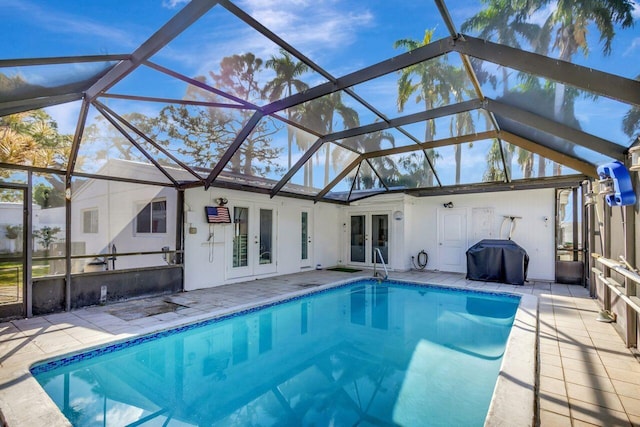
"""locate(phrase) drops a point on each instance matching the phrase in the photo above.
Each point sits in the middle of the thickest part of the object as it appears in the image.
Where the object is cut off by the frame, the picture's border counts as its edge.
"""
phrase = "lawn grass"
(10, 271)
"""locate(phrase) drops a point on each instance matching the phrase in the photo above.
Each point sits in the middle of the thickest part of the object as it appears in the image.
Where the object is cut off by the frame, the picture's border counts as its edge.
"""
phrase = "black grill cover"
(493, 260)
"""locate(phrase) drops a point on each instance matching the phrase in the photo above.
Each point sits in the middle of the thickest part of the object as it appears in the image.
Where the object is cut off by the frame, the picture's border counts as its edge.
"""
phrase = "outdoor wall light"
(221, 201)
(448, 205)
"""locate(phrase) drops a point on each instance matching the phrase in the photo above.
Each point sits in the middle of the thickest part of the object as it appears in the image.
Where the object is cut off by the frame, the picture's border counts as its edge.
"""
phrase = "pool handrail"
(377, 251)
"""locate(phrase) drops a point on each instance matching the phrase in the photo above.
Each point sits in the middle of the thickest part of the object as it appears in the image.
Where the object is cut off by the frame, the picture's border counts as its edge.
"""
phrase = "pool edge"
(501, 411)
(513, 401)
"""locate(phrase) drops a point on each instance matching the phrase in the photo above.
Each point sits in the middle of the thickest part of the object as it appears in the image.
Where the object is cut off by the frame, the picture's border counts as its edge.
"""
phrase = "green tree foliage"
(377, 169)
(32, 139)
(101, 140)
(631, 122)
(431, 83)
(417, 170)
(495, 170)
(287, 78)
(327, 110)
(11, 196)
(46, 236)
(195, 128)
(47, 196)
(563, 32)
(12, 231)
(215, 129)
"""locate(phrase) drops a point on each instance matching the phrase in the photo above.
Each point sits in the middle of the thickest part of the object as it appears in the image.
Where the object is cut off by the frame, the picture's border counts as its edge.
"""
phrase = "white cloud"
(636, 9)
(310, 25)
(633, 46)
(540, 16)
(174, 4)
(58, 22)
(121, 414)
(66, 116)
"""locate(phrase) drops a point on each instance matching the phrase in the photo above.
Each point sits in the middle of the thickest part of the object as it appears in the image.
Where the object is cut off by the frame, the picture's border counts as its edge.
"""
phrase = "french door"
(253, 243)
(306, 248)
(368, 232)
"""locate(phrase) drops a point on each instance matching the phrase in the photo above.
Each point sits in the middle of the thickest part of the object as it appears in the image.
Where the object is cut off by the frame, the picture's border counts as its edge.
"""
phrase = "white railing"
(619, 288)
(377, 253)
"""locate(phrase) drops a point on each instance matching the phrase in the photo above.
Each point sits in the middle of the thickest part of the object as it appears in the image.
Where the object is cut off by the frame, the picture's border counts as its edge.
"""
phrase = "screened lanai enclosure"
(159, 146)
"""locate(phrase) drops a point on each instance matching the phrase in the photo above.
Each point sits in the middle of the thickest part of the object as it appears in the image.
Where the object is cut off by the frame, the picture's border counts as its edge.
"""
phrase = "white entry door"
(253, 240)
(306, 229)
(452, 240)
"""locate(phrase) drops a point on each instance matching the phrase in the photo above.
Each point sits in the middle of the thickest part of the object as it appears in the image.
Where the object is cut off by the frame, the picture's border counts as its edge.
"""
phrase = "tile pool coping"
(513, 400)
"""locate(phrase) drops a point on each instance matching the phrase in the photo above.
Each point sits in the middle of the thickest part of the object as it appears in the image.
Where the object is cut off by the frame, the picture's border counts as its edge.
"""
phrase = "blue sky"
(341, 36)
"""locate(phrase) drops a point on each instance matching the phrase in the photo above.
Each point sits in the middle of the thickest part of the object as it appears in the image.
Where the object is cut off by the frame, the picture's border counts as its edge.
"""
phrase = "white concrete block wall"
(416, 231)
(208, 265)
(117, 205)
(532, 232)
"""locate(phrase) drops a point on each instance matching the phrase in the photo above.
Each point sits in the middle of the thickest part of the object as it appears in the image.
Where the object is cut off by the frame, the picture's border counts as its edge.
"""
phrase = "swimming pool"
(368, 352)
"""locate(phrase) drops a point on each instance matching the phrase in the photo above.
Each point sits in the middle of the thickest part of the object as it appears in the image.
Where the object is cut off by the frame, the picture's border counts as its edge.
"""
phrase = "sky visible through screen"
(340, 36)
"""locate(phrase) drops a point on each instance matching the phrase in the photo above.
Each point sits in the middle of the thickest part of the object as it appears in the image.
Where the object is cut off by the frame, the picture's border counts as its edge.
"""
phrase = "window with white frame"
(152, 217)
(90, 221)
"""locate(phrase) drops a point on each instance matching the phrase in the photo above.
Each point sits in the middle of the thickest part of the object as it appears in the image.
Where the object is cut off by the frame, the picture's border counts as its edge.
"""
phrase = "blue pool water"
(365, 353)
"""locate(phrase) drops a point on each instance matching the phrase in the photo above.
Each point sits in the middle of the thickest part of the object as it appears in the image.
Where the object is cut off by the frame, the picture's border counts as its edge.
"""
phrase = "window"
(152, 218)
(90, 221)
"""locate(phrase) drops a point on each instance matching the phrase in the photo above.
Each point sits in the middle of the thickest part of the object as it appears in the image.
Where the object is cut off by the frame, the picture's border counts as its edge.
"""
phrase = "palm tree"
(631, 121)
(32, 138)
(494, 171)
(503, 23)
(525, 160)
(308, 115)
(286, 79)
(385, 166)
(570, 21)
(432, 87)
(461, 123)
(320, 115)
(418, 172)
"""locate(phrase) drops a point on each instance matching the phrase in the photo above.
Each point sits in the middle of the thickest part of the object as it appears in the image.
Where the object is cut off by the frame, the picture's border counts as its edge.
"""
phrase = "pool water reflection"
(367, 353)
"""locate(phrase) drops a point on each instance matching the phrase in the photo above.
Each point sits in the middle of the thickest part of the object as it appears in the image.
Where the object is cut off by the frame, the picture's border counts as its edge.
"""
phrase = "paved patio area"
(587, 375)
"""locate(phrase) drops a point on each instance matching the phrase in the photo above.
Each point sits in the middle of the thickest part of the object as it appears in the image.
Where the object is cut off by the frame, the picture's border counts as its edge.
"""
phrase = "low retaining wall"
(86, 288)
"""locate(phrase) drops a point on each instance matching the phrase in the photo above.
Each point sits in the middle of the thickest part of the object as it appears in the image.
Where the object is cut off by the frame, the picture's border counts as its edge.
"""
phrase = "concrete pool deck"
(586, 375)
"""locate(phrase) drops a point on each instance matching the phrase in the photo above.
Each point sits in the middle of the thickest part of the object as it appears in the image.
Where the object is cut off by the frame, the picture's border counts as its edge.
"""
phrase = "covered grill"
(497, 260)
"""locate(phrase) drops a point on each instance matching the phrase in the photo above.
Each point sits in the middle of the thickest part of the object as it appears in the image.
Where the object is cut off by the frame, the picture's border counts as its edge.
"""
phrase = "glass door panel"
(358, 238)
(305, 239)
(380, 234)
(266, 236)
(254, 241)
(240, 237)
(364, 250)
(304, 235)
